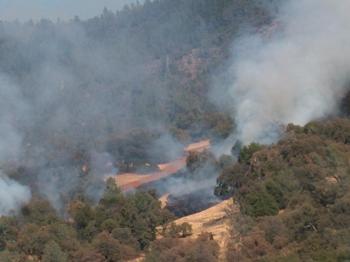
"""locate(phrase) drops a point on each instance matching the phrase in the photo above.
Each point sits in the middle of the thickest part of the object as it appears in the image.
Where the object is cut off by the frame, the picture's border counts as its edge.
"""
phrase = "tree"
(248, 151)
(39, 211)
(8, 231)
(177, 231)
(53, 253)
(32, 239)
(259, 203)
(112, 195)
(112, 249)
(82, 214)
(125, 236)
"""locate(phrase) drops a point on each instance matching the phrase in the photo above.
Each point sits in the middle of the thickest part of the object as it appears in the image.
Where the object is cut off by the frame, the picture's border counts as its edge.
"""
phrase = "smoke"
(12, 109)
(102, 167)
(293, 71)
(202, 180)
(166, 148)
(190, 191)
(192, 188)
(12, 195)
(57, 184)
(70, 91)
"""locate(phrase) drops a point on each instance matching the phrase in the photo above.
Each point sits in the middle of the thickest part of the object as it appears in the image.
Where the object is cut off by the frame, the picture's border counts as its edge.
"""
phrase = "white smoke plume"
(12, 195)
(293, 72)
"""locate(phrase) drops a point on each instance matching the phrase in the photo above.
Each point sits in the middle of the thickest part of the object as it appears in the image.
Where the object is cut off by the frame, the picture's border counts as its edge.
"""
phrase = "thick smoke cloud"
(71, 94)
(293, 71)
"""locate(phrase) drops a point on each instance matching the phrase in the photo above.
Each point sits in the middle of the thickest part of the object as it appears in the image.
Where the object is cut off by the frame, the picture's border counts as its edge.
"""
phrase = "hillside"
(293, 195)
(88, 98)
(215, 221)
(130, 181)
(177, 131)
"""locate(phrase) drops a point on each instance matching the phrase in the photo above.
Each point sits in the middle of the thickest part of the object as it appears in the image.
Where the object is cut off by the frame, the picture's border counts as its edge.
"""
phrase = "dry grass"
(214, 220)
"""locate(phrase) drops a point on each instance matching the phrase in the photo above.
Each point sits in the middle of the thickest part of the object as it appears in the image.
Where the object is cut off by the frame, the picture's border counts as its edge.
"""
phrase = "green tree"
(260, 203)
(248, 151)
(39, 211)
(32, 239)
(53, 253)
(112, 249)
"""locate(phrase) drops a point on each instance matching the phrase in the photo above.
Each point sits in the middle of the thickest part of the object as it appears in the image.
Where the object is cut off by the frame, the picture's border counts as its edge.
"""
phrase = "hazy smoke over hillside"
(64, 93)
(12, 108)
(294, 71)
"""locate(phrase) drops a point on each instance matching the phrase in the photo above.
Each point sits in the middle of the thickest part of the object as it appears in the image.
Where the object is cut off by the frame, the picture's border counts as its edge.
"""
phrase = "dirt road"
(129, 181)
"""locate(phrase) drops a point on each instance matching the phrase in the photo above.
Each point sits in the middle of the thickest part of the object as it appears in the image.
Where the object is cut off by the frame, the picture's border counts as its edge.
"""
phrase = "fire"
(85, 169)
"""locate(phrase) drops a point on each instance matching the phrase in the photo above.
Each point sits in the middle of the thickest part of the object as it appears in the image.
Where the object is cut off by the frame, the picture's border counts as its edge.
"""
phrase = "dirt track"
(129, 181)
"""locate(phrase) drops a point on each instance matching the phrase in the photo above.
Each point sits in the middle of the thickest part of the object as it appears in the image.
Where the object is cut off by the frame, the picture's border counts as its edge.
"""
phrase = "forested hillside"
(117, 229)
(128, 90)
(293, 196)
(146, 69)
(122, 88)
(86, 98)
(149, 61)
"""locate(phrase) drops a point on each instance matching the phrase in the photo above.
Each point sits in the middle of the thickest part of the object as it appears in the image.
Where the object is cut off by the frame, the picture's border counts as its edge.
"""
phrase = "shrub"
(202, 249)
(177, 231)
(259, 203)
(112, 249)
(53, 253)
(248, 151)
